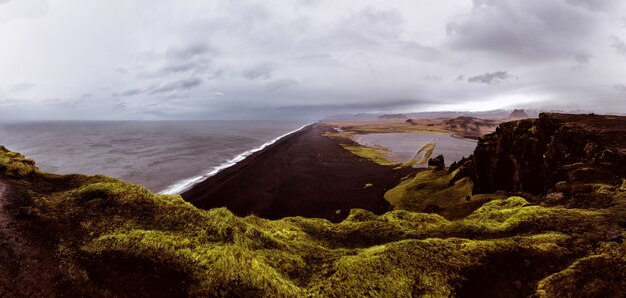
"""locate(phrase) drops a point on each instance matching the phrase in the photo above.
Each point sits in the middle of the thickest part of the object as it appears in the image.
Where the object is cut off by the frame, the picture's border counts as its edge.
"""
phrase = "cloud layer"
(274, 59)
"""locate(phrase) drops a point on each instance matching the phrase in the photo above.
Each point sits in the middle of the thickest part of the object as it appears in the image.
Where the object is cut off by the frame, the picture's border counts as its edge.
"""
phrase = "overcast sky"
(156, 59)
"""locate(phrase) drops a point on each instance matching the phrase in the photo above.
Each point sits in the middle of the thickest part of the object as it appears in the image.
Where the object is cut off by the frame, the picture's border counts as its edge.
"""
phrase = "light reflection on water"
(402, 146)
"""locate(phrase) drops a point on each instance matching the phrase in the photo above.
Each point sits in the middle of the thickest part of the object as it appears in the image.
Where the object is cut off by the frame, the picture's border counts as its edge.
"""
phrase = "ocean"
(163, 156)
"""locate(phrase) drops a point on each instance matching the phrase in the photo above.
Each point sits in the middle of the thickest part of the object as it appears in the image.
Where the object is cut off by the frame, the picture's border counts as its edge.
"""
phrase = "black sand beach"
(304, 174)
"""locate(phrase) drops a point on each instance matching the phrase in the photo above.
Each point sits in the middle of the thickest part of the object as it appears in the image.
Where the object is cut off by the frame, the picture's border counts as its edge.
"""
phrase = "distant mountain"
(393, 116)
(493, 115)
(357, 116)
(518, 114)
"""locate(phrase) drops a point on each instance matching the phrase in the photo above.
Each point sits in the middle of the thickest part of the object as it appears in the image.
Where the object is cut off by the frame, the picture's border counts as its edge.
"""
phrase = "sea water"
(163, 156)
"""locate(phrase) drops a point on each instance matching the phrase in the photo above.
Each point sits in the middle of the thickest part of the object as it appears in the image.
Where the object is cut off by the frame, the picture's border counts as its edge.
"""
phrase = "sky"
(280, 59)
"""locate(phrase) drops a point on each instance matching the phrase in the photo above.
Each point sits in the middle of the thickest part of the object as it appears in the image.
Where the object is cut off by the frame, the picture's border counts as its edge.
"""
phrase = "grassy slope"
(115, 237)
(374, 154)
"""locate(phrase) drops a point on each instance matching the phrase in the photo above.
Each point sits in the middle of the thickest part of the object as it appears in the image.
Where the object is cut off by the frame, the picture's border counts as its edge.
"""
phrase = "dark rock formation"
(437, 163)
(568, 154)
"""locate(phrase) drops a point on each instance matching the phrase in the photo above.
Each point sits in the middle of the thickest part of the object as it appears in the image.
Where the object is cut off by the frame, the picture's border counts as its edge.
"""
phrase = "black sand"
(304, 174)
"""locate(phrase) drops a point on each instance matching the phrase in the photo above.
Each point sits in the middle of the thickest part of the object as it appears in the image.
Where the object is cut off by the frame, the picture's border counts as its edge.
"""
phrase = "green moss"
(15, 165)
(601, 274)
(375, 154)
(429, 188)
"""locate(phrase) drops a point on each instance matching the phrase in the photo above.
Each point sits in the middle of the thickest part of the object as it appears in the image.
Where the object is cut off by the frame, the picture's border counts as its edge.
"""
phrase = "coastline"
(303, 174)
(186, 184)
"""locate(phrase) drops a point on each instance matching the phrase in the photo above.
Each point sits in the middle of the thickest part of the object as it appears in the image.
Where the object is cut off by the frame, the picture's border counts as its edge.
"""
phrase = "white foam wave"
(185, 184)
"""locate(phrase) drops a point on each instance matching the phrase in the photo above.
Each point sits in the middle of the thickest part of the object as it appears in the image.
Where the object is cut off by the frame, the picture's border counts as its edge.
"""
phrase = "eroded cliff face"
(565, 159)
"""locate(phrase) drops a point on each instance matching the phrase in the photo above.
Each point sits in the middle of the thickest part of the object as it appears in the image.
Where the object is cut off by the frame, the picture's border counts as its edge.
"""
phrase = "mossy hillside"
(434, 191)
(13, 164)
(601, 274)
(102, 224)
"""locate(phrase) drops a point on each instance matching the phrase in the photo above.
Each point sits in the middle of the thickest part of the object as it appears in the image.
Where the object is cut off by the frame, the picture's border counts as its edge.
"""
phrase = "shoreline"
(186, 184)
(303, 174)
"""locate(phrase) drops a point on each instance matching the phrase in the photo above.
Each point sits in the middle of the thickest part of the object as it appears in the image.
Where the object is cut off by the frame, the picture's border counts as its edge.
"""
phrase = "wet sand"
(304, 174)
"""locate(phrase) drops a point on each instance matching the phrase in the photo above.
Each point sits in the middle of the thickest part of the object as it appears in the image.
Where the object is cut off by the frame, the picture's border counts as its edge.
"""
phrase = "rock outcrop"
(567, 156)
(437, 163)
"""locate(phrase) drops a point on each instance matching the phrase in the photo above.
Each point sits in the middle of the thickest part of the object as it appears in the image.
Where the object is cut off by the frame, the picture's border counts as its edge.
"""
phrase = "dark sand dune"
(304, 174)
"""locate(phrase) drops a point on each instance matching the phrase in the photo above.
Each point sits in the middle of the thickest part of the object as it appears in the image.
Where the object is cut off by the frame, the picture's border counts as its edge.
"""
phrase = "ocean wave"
(185, 184)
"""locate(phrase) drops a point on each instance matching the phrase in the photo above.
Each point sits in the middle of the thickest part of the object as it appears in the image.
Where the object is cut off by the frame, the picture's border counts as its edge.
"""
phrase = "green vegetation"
(338, 135)
(114, 238)
(13, 164)
(375, 154)
(430, 191)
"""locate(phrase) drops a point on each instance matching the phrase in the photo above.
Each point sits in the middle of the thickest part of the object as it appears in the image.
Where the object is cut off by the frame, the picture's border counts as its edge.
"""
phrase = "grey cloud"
(176, 68)
(376, 24)
(22, 9)
(281, 84)
(619, 45)
(528, 29)
(318, 59)
(259, 72)
(194, 58)
(493, 78)
(121, 70)
(366, 28)
(431, 78)
(184, 84)
(247, 58)
(418, 50)
(581, 58)
(620, 87)
(190, 51)
(21, 87)
(593, 5)
(131, 92)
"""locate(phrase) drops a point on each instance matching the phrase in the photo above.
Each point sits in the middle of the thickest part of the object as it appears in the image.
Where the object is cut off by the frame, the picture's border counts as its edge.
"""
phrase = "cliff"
(562, 158)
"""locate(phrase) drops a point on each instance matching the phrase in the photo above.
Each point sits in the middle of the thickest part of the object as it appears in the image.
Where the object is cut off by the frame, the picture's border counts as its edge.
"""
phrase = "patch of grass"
(338, 135)
(15, 165)
(429, 191)
(374, 154)
(601, 274)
